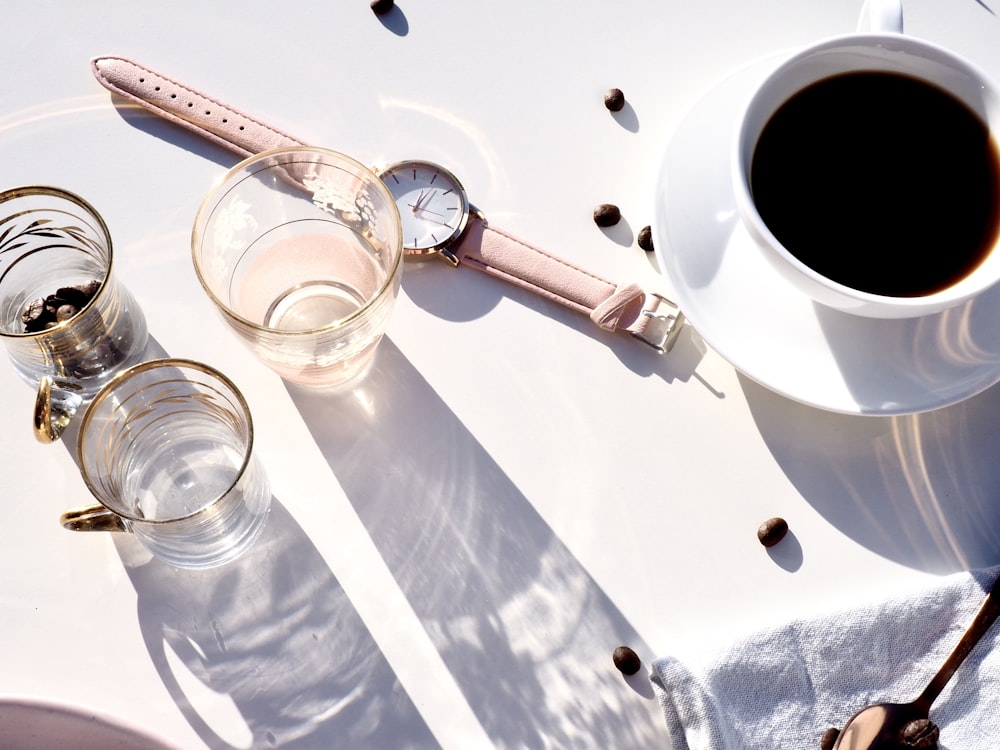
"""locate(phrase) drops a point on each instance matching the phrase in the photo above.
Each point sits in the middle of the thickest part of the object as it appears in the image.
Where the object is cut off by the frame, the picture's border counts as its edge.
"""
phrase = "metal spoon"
(881, 726)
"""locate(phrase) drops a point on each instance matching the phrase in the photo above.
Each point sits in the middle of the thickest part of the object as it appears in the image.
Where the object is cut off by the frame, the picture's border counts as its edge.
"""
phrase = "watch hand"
(417, 205)
(426, 198)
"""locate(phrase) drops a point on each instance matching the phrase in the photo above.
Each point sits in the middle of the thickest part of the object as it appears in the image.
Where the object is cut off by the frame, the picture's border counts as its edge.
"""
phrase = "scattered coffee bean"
(44, 313)
(626, 660)
(614, 100)
(920, 733)
(381, 7)
(607, 215)
(829, 738)
(645, 238)
(772, 531)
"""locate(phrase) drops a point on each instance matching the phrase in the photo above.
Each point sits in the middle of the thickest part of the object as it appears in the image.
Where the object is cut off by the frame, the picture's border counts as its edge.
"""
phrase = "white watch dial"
(433, 208)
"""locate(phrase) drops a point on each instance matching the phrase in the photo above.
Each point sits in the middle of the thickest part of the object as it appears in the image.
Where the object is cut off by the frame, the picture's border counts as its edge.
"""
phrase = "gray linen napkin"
(781, 688)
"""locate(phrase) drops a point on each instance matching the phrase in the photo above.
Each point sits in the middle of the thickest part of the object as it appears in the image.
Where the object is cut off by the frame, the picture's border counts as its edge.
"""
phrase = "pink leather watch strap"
(611, 306)
(188, 107)
(650, 317)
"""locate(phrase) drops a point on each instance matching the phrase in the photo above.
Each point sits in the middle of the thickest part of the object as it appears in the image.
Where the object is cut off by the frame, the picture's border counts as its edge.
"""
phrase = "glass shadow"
(524, 629)
(273, 635)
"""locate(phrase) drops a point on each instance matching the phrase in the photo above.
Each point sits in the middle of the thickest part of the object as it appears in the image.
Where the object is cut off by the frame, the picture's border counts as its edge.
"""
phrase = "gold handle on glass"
(53, 415)
(92, 518)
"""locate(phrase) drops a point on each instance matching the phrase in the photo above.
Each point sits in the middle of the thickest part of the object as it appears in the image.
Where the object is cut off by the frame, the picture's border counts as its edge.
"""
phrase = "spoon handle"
(984, 619)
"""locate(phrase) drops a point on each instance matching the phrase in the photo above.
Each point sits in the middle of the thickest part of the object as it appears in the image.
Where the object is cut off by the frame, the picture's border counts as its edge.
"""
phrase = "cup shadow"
(275, 634)
(939, 355)
(523, 628)
(920, 490)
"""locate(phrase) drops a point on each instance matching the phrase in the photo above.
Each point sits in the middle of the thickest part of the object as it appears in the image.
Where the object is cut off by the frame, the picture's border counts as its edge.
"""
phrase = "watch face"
(433, 208)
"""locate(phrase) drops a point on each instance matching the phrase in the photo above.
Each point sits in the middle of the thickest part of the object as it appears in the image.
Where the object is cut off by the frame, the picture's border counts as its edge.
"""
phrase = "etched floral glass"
(301, 251)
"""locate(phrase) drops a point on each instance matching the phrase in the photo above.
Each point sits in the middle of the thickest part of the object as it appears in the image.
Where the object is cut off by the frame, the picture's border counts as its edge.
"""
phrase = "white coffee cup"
(886, 50)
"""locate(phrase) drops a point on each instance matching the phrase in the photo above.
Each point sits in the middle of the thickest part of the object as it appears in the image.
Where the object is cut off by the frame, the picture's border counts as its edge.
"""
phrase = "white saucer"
(769, 330)
(40, 724)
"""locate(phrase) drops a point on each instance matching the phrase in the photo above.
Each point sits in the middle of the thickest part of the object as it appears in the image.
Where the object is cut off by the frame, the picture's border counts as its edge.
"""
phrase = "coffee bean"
(73, 295)
(381, 7)
(829, 738)
(65, 312)
(44, 313)
(772, 531)
(37, 325)
(607, 215)
(33, 311)
(920, 733)
(645, 239)
(626, 660)
(89, 288)
(38, 315)
(614, 100)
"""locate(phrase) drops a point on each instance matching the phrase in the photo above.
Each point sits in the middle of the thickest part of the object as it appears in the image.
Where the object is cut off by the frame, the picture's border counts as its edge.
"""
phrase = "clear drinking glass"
(55, 252)
(166, 447)
(301, 251)
(51, 239)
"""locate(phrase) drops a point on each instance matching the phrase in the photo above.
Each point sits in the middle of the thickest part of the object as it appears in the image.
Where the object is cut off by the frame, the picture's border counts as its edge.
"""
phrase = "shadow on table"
(922, 490)
(522, 627)
(164, 130)
(273, 634)
(271, 638)
(464, 294)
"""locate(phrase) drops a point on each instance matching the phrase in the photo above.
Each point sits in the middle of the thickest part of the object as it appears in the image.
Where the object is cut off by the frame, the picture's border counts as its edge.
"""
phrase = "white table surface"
(458, 544)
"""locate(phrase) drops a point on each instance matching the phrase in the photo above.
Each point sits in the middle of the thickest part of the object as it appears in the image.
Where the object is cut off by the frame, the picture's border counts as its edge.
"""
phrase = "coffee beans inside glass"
(63, 315)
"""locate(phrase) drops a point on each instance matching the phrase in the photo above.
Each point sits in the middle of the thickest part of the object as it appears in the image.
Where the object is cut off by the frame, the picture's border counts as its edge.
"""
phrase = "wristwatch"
(437, 218)
(433, 208)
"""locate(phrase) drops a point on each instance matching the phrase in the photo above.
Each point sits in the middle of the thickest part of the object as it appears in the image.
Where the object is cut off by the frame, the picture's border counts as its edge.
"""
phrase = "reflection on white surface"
(957, 338)
(918, 489)
(451, 122)
(25, 118)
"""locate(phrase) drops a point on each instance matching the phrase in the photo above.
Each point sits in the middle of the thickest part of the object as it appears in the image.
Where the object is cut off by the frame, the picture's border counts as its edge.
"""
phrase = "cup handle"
(92, 518)
(885, 16)
(54, 409)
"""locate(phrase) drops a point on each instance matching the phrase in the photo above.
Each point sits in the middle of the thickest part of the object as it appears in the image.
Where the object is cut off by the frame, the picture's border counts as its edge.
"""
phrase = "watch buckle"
(662, 329)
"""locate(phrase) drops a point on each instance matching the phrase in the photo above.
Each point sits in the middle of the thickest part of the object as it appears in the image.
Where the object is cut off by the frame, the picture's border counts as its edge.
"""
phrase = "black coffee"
(880, 182)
